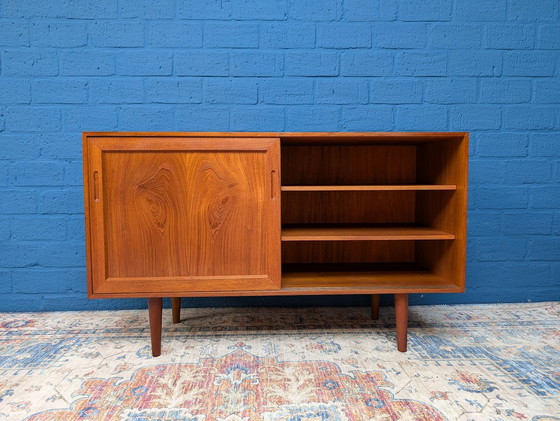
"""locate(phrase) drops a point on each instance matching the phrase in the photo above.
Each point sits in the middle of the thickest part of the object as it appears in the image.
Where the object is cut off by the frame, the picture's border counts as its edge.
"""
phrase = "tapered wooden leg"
(375, 306)
(154, 309)
(176, 309)
(401, 310)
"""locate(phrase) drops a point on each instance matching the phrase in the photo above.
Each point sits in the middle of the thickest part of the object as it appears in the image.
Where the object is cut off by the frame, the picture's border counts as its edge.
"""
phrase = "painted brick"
(58, 146)
(37, 173)
(75, 228)
(500, 249)
(311, 64)
(529, 10)
(60, 91)
(175, 34)
(269, 119)
(475, 63)
(73, 173)
(5, 229)
(29, 63)
(545, 197)
(33, 8)
(145, 63)
(231, 35)
(494, 10)
(545, 144)
(503, 91)
(87, 63)
(210, 9)
(287, 35)
(312, 118)
(202, 63)
(256, 64)
(475, 117)
(455, 36)
(259, 10)
(484, 224)
(32, 119)
(286, 91)
(59, 34)
(34, 281)
(487, 171)
(359, 63)
(388, 10)
(147, 9)
(86, 9)
(411, 35)
(422, 64)
(71, 253)
(61, 201)
(420, 10)
(146, 118)
(173, 91)
(14, 33)
(117, 34)
(200, 119)
(502, 197)
(450, 91)
(525, 63)
(514, 275)
(15, 91)
(549, 37)
(116, 91)
(397, 91)
(18, 202)
(545, 249)
(341, 91)
(421, 118)
(527, 223)
(502, 144)
(343, 35)
(230, 91)
(3, 173)
(359, 10)
(5, 282)
(547, 91)
(38, 227)
(529, 117)
(98, 118)
(313, 10)
(510, 36)
(370, 118)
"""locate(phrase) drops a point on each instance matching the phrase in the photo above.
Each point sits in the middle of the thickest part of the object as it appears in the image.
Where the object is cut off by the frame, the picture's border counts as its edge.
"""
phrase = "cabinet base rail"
(155, 316)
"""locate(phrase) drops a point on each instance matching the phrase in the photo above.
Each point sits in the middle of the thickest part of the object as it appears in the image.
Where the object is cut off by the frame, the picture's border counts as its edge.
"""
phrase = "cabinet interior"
(374, 213)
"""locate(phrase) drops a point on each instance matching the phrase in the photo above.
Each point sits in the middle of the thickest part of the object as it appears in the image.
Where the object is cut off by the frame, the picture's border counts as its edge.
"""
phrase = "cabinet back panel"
(348, 252)
(348, 164)
(350, 207)
(184, 214)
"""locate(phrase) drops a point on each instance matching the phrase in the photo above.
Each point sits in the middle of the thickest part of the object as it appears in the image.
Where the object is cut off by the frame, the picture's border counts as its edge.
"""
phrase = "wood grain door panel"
(184, 214)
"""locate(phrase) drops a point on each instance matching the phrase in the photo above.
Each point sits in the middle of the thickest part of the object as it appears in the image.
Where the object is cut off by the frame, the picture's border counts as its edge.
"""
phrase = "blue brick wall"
(488, 67)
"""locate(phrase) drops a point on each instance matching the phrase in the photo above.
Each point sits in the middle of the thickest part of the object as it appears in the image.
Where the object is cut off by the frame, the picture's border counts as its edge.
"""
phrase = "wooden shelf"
(362, 278)
(362, 233)
(409, 187)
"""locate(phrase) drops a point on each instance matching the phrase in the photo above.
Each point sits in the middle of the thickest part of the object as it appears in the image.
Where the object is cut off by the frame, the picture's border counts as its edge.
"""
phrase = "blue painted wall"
(488, 67)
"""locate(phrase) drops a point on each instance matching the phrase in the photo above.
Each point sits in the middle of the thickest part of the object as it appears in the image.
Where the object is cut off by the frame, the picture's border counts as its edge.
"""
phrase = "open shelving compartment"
(374, 214)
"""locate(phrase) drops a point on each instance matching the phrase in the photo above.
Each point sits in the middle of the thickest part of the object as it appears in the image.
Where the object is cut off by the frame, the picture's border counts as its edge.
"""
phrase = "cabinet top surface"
(290, 135)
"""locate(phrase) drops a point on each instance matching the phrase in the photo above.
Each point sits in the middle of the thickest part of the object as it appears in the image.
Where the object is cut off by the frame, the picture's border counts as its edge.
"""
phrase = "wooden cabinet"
(239, 214)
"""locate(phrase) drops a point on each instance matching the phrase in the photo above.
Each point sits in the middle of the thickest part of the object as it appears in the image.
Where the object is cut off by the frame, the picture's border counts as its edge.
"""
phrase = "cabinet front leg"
(176, 309)
(375, 306)
(154, 310)
(401, 311)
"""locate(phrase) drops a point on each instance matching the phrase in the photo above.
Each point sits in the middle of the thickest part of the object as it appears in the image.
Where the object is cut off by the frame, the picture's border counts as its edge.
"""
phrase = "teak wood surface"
(248, 214)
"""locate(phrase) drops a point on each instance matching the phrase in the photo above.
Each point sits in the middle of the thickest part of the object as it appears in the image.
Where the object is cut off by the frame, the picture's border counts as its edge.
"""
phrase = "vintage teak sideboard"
(254, 214)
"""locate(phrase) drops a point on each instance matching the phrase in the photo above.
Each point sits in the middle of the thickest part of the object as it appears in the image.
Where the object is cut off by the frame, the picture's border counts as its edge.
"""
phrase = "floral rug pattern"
(479, 362)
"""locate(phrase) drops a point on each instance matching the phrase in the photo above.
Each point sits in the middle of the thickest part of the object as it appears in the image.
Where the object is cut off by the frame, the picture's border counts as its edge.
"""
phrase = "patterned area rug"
(485, 362)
